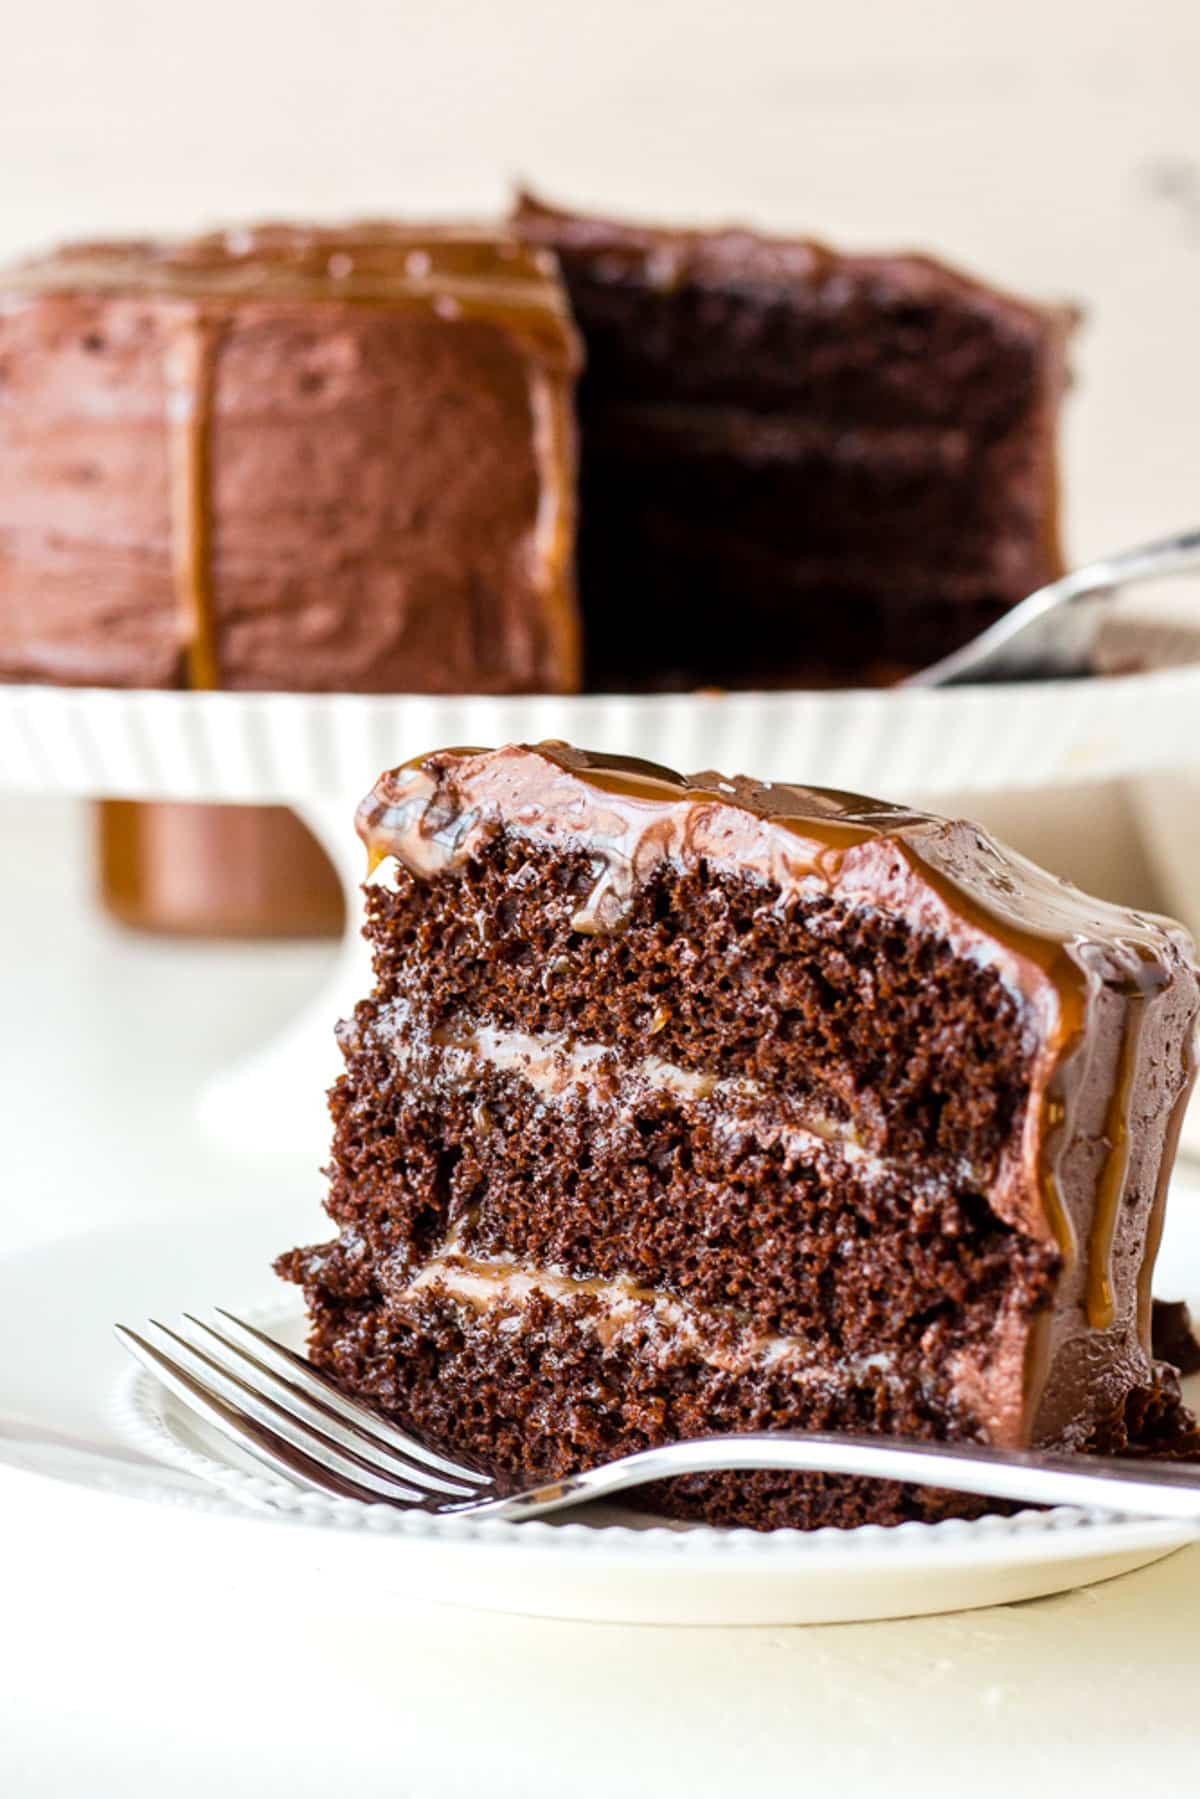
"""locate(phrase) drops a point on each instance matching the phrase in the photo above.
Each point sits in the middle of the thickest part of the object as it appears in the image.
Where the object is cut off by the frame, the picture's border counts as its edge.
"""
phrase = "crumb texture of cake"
(689, 1105)
(857, 452)
(293, 458)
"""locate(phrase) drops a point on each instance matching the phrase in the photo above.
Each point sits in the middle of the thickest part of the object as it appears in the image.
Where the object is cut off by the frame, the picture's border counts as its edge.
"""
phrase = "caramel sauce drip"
(1054, 1120)
(1101, 1304)
(189, 365)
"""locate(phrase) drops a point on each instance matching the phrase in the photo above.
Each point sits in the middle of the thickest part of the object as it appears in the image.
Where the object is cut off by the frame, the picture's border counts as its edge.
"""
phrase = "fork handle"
(1141, 1489)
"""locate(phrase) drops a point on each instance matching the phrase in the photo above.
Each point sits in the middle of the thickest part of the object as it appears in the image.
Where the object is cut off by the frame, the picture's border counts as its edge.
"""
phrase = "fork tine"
(310, 1439)
(238, 1428)
(315, 1381)
(348, 1424)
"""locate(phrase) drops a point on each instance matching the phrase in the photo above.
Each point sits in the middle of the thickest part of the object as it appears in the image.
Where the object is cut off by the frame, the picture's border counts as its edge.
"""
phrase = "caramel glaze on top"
(1084, 971)
(453, 273)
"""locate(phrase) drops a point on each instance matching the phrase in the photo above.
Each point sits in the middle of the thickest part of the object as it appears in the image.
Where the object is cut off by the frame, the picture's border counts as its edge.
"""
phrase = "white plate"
(72, 1379)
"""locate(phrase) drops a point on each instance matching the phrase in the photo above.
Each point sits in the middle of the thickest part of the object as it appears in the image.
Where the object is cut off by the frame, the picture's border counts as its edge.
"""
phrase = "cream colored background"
(1053, 146)
(1032, 140)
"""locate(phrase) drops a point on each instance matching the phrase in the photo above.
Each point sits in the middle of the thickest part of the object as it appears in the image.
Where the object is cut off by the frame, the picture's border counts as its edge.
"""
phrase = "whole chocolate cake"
(854, 455)
(289, 458)
(688, 1105)
(321, 459)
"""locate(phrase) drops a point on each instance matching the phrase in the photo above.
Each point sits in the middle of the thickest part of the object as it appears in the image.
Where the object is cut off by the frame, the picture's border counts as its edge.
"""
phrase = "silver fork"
(1056, 631)
(293, 1417)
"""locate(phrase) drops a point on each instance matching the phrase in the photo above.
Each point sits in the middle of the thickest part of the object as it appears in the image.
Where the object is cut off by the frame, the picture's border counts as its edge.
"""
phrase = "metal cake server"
(273, 1404)
(1055, 632)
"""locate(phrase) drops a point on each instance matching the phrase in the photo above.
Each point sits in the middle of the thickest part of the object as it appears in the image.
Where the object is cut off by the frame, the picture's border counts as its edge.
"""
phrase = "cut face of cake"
(691, 1105)
(853, 454)
(293, 458)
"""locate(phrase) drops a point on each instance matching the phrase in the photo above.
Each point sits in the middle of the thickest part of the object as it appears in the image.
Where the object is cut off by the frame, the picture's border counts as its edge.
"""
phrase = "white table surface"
(1054, 145)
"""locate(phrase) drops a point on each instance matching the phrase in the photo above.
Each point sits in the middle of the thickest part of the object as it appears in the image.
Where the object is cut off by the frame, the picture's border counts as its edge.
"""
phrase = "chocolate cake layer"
(857, 452)
(289, 458)
(695, 1104)
(553, 1387)
(853, 987)
(726, 1201)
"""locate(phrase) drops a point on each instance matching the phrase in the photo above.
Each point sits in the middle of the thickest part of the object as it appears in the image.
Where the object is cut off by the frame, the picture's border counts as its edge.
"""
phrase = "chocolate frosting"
(208, 467)
(1111, 996)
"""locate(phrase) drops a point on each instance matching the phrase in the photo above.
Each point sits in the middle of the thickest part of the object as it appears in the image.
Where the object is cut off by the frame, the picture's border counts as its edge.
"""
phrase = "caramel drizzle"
(454, 274)
(1100, 1300)
(725, 1336)
(553, 559)
(189, 364)
(1054, 1119)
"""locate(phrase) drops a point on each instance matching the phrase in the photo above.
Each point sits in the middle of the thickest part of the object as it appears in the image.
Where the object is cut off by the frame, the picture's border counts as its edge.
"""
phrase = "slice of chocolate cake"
(688, 1105)
(291, 458)
(855, 455)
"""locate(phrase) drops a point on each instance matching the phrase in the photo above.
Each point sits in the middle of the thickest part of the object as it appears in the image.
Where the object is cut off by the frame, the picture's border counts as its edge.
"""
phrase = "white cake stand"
(320, 754)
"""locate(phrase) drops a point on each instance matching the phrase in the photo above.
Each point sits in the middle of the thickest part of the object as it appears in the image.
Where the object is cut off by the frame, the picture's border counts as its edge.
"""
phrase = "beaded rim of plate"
(147, 1419)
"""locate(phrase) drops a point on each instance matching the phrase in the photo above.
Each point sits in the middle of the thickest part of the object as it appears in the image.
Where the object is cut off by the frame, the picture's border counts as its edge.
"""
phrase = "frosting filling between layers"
(723, 1340)
(561, 1069)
